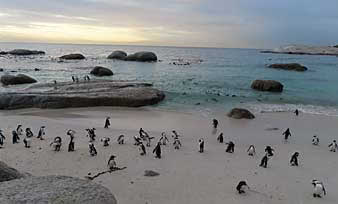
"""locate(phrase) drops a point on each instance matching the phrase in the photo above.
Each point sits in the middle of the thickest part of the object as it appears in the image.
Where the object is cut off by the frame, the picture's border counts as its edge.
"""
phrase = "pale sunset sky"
(196, 23)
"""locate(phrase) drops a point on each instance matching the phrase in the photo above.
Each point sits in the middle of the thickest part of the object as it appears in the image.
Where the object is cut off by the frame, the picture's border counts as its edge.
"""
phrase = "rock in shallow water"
(290, 66)
(239, 113)
(73, 57)
(23, 52)
(142, 57)
(101, 71)
(55, 190)
(18, 79)
(267, 85)
(118, 54)
(83, 94)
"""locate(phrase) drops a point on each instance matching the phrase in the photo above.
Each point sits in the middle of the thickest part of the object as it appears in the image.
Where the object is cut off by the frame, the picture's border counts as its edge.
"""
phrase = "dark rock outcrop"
(142, 57)
(8, 173)
(84, 94)
(290, 66)
(118, 54)
(239, 113)
(18, 79)
(23, 52)
(150, 173)
(54, 189)
(73, 57)
(267, 85)
(101, 71)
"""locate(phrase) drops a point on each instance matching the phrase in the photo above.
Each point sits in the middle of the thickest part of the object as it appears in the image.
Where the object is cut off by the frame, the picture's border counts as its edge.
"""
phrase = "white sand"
(186, 175)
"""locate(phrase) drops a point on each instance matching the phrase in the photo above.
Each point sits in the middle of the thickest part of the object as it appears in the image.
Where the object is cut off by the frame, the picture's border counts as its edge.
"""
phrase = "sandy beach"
(186, 176)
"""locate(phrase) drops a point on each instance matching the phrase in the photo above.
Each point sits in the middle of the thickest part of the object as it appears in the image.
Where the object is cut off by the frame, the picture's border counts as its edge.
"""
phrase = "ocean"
(216, 79)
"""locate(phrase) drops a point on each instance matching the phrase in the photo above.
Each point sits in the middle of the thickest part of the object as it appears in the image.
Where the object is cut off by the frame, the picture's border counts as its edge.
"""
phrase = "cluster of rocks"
(83, 94)
(304, 50)
(16, 187)
(22, 52)
(138, 56)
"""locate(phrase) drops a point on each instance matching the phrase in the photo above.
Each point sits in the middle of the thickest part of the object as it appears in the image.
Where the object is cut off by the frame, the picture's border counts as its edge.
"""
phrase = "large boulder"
(55, 190)
(82, 94)
(267, 85)
(118, 54)
(18, 79)
(142, 57)
(239, 113)
(23, 52)
(290, 66)
(75, 56)
(101, 71)
(8, 173)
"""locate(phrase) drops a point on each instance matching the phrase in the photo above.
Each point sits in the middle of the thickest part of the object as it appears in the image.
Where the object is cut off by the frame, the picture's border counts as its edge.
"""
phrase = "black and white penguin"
(220, 138)
(164, 139)
(105, 141)
(73, 79)
(294, 159)
(269, 151)
(71, 145)
(27, 142)
(142, 133)
(120, 139)
(175, 134)
(318, 189)
(286, 134)
(2, 138)
(242, 187)
(230, 148)
(57, 143)
(15, 137)
(315, 140)
(264, 161)
(142, 149)
(137, 140)
(215, 123)
(112, 163)
(157, 150)
(41, 132)
(29, 133)
(201, 145)
(92, 149)
(296, 112)
(19, 130)
(107, 123)
(333, 146)
(177, 143)
(91, 134)
(251, 151)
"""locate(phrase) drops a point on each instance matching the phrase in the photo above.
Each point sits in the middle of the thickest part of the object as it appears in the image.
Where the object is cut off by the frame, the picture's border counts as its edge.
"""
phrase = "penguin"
(71, 146)
(215, 123)
(201, 145)
(2, 138)
(41, 132)
(27, 142)
(315, 140)
(269, 151)
(56, 144)
(142, 149)
(241, 187)
(175, 134)
(264, 161)
(92, 149)
(220, 138)
(286, 134)
(73, 78)
(88, 78)
(333, 146)
(164, 139)
(296, 112)
(19, 130)
(107, 123)
(29, 133)
(318, 189)
(294, 159)
(231, 147)
(177, 143)
(142, 133)
(105, 141)
(120, 139)
(157, 150)
(91, 134)
(112, 163)
(251, 151)
(137, 140)
(15, 137)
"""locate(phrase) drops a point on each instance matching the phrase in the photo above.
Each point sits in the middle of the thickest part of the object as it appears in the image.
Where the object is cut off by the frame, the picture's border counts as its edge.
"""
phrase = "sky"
(190, 23)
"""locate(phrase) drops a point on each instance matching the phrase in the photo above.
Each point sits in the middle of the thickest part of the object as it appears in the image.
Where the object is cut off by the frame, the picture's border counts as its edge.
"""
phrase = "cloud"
(220, 23)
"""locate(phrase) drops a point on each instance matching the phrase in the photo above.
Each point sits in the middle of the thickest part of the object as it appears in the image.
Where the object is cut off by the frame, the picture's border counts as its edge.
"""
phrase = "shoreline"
(186, 176)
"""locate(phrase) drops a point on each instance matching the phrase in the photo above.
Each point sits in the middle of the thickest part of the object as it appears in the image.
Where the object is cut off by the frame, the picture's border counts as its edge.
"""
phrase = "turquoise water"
(210, 83)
